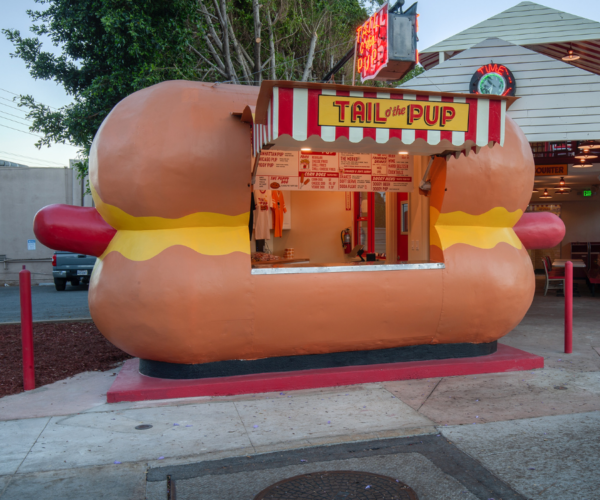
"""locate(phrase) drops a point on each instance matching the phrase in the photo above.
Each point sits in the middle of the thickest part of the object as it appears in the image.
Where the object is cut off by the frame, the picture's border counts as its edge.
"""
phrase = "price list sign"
(319, 171)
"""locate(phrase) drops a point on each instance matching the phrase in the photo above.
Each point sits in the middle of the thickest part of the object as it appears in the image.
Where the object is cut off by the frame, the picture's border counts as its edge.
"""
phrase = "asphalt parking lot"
(48, 304)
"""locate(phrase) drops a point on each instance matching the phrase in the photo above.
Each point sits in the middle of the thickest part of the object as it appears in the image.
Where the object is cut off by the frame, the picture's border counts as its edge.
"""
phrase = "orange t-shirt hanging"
(278, 211)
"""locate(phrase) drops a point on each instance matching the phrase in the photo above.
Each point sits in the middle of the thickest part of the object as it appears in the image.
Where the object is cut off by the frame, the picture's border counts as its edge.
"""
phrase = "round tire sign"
(493, 79)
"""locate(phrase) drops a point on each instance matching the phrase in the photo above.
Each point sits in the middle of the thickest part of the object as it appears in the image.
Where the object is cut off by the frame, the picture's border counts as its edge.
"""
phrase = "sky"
(439, 19)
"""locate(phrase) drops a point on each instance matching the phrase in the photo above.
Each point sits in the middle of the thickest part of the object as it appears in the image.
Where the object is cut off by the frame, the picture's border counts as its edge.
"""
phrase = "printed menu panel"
(318, 162)
(278, 163)
(317, 171)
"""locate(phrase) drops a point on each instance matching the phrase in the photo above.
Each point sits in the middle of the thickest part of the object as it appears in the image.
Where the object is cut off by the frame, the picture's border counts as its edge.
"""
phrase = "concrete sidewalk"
(510, 435)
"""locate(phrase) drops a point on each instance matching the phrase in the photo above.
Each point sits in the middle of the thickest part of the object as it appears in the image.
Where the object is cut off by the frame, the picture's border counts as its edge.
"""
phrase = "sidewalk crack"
(245, 429)
(30, 448)
(429, 395)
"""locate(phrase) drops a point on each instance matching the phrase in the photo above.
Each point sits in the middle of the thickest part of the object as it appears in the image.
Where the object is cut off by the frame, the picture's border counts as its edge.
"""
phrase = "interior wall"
(318, 220)
(582, 221)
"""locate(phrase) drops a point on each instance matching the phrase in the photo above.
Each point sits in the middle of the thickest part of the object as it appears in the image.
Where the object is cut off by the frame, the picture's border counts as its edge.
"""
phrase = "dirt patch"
(61, 350)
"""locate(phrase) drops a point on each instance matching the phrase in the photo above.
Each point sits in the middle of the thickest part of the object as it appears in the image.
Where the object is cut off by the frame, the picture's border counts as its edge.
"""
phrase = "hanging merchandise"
(278, 210)
(263, 219)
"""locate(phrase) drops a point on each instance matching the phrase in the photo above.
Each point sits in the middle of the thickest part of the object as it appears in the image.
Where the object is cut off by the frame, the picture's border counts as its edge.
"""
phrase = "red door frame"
(402, 238)
(369, 219)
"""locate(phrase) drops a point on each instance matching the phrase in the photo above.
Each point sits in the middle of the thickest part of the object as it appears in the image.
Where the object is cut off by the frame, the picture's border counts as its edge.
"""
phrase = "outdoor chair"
(554, 280)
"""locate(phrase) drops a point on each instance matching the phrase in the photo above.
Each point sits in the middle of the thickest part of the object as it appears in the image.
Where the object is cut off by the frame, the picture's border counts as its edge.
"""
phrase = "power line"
(13, 107)
(22, 131)
(18, 95)
(14, 121)
(16, 116)
(29, 157)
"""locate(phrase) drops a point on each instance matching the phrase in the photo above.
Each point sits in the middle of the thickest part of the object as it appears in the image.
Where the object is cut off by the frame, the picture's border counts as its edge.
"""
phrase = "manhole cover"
(143, 427)
(338, 485)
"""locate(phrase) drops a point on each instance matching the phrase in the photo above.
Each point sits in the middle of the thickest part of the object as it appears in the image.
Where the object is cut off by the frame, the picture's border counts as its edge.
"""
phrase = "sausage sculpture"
(170, 176)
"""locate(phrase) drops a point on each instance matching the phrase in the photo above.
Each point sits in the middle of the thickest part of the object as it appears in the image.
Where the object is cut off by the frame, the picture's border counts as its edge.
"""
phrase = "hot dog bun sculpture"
(170, 176)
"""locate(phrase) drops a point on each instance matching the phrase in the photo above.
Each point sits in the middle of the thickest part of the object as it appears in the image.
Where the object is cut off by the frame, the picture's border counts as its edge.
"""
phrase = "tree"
(109, 50)
(112, 48)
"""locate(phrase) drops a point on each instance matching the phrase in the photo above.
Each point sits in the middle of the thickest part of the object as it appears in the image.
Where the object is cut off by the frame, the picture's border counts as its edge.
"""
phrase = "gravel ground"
(61, 350)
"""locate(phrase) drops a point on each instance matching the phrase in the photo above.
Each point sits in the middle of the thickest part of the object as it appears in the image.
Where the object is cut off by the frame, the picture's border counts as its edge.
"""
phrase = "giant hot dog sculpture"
(170, 174)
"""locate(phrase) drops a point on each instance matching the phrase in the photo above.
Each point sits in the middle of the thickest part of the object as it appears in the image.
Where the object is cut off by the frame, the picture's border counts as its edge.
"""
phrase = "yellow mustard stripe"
(482, 231)
(480, 237)
(496, 217)
(143, 245)
(119, 219)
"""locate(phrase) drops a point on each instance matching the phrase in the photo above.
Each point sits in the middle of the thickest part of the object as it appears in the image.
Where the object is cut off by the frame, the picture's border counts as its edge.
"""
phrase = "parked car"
(72, 267)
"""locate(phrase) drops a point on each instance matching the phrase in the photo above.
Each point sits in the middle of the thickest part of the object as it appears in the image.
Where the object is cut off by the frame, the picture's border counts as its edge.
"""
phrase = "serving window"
(316, 219)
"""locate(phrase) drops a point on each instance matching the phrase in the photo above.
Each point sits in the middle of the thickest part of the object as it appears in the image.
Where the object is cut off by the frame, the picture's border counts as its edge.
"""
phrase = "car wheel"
(75, 282)
(60, 284)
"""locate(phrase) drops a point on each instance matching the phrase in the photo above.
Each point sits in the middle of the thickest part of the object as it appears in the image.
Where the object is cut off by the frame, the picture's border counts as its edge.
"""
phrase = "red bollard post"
(569, 307)
(27, 329)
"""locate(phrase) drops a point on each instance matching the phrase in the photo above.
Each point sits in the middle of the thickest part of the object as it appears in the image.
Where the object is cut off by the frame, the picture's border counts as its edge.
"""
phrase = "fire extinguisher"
(346, 240)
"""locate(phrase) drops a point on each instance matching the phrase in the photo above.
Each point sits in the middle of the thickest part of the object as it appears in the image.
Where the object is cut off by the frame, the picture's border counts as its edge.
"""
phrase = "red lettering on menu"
(342, 108)
(448, 115)
(415, 112)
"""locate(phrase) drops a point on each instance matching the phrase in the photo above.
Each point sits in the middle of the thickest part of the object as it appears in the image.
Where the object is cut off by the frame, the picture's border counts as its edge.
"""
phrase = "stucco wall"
(24, 191)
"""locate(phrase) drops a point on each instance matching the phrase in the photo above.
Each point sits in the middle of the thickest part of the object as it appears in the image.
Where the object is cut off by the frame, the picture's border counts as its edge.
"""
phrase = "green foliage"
(110, 48)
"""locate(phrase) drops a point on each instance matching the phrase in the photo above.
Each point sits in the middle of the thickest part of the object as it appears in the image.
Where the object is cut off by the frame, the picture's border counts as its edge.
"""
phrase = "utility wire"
(14, 121)
(29, 157)
(16, 116)
(13, 107)
(18, 95)
(22, 131)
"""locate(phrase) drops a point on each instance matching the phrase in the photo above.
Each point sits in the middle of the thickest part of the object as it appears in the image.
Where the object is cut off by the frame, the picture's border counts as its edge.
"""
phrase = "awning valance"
(326, 117)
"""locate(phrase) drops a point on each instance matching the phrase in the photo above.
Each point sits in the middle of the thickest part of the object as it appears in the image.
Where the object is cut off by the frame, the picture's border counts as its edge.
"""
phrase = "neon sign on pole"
(386, 45)
(372, 46)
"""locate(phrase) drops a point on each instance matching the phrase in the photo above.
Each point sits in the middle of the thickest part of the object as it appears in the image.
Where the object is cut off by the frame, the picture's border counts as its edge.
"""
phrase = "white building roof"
(529, 24)
(558, 101)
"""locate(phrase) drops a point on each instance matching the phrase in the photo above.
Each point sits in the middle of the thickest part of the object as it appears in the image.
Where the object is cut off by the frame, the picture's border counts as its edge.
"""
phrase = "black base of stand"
(160, 369)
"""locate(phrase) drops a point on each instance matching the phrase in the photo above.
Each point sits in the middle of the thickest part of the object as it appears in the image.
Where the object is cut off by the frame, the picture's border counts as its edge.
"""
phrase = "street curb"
(70, 320)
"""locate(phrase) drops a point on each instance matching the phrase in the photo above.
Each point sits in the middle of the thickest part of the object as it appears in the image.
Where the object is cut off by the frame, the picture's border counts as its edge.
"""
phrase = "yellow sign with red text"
(366, 112)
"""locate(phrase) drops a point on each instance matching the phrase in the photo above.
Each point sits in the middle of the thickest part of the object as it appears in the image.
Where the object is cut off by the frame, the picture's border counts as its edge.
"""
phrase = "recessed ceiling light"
(305, 149)
(402, 152)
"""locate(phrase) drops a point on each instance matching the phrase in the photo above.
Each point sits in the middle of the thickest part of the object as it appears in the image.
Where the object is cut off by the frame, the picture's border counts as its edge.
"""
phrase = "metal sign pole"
(354, 62)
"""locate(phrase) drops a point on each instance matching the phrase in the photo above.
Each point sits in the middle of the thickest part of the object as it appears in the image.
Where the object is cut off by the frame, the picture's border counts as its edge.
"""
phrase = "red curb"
(130, 385)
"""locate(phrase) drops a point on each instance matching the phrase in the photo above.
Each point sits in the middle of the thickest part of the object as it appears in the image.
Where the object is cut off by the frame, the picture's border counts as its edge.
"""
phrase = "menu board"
(315, 171)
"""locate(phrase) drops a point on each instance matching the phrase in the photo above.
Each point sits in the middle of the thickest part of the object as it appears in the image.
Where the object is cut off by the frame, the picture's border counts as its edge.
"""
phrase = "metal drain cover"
(338, 485)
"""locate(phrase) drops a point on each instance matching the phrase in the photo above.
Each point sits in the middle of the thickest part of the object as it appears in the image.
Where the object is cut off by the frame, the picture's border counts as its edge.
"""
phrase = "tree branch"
(257, 40)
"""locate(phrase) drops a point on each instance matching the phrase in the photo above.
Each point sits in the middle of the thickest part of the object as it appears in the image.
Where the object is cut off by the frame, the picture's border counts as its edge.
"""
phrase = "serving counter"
(346, 267)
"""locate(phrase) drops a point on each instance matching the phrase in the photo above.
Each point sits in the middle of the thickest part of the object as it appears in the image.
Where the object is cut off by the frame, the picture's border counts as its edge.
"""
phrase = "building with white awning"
(552, 57)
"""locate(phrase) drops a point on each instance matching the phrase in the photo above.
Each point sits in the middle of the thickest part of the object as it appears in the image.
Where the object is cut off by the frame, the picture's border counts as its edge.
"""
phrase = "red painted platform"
(130, 385)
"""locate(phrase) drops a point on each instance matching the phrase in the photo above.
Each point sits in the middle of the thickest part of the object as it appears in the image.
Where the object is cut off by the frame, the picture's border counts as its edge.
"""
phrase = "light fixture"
(585, 155)
(562, 182)
(583, 164)
(305, 149)
(589, 145)
(545, 196)
(402, 152)
(570, 56)
(535, 190)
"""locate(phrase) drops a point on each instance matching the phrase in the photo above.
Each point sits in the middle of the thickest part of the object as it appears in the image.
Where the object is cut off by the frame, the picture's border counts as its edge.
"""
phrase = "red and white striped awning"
(287, 117)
